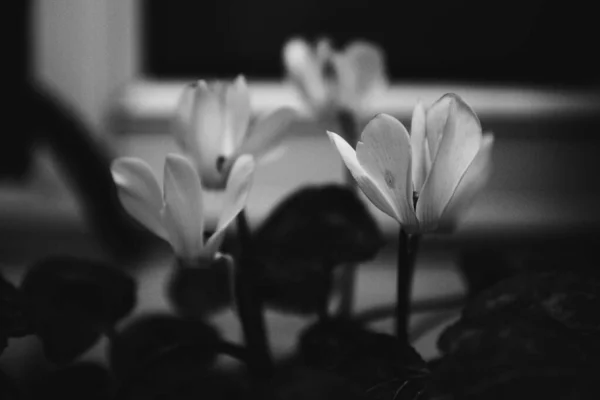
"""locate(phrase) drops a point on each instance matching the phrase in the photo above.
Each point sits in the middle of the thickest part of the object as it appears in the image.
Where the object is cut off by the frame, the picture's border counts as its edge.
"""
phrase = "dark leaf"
(73, 301)
(509, 338)
(304, 383)
(484, 268)
(13, 320)
(202, 290)
(534, 335)
(155, 342)
(378, 362)
(8, 388)
(182, 382)
(570, 298)
(84, 380)
(326, 223)
(297, 286)
(312, 231)
(474, 380)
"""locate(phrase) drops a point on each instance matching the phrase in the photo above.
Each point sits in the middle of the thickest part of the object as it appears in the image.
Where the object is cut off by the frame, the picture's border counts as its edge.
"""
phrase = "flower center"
(221, 163)
(329, 71)
(389, 179)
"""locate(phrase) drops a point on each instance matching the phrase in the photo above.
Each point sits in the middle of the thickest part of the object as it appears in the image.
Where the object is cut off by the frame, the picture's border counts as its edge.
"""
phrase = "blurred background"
(113, 69)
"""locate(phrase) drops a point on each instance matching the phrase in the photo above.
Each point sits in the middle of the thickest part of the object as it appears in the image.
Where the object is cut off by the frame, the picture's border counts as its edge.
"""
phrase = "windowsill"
(523, 198)
(146, 100)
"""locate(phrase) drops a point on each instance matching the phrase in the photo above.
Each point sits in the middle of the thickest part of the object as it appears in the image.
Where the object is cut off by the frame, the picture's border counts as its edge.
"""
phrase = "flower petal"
(236, 195)
(268, 132)
(183, 213)
(471, 183)
(365, 68)
(384, 152)
(459, 144)
(436, 118)
(306, 70)
(182, 130)
(139, 192)
(237, 115)
(369, 187)
(208, 124)
(420, 150)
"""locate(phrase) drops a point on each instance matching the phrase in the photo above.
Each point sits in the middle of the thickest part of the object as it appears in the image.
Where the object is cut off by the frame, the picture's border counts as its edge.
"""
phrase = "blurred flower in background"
(214, 127)
(329, 78)
(176, 214)
(443, 163)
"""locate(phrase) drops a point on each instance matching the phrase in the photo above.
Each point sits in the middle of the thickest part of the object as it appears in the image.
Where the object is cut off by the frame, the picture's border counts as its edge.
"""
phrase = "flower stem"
(436, 304)
(249, 306)
(407, 246)
(233, 350)
(348, 126)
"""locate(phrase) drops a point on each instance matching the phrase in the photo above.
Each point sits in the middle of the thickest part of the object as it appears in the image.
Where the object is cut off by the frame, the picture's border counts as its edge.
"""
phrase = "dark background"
(528, 41)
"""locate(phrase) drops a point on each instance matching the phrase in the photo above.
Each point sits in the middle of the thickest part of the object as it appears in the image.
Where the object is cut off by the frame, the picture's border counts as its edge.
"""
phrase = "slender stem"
(233, 350)
(442, 303)
(406, 258)
(249, 306)
(347, 123)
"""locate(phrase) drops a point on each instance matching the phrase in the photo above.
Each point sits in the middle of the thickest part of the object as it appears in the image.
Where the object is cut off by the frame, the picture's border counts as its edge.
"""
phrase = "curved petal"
(237, 115)
(305, 69)
(369, 187)
(421, 162)
(236, 195)
(366, 63)
(182, 130)
(183, 213)
(471, 183)
(436, 118)
(460, 143)
(139, 192)
(208, 124)
(385, 153)
(268, 132)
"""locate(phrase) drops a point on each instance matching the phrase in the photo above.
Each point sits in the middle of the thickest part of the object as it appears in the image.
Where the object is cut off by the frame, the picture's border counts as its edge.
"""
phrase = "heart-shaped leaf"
(136, 350)
(484, 268)
(297, 382)
(378, 362)
(85, 380)
(73, 301)
(535, 334)
(8, 389)
(308, 234)
(13, 319)
(182, 381)
(200, 291)
(570, 298)
(508, 338)
(455, 379)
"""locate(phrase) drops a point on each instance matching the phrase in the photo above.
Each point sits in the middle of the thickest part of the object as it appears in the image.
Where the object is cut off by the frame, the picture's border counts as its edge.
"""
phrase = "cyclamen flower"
(444, 162)
(327, 78)
(176, 213)
(212, 126)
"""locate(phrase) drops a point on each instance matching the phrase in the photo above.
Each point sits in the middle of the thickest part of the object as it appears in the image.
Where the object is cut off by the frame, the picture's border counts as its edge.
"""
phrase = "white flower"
(212, 126)
(327, 78)
(444, 163)
(176, 213)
